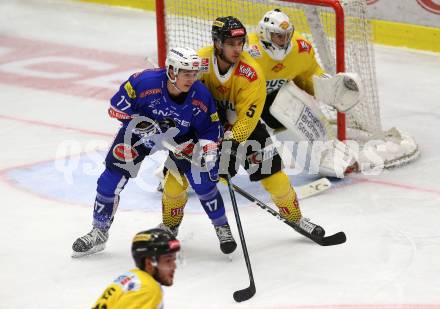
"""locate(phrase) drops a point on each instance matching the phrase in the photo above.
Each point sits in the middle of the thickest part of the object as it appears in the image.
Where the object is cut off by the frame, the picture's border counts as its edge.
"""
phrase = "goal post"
(341, 35)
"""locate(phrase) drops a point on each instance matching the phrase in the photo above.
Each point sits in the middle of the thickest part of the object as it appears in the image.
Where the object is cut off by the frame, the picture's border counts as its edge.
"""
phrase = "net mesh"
(188, 23)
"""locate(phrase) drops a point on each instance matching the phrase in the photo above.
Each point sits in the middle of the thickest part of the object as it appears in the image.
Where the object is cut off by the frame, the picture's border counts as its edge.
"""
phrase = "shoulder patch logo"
(204, 65)
(200, 105)
(254, 51)
(246, 71)
(130, 91)
(303, 46)
(214, 117)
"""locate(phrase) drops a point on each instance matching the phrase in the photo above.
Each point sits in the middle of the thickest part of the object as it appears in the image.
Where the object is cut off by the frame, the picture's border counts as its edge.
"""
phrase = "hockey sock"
(103, 211)
(174, 199)
(214, 207)
(283, 195)
(110, 184)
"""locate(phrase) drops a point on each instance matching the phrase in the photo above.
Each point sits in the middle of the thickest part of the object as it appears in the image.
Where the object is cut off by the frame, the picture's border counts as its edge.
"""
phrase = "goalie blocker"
(299, 113)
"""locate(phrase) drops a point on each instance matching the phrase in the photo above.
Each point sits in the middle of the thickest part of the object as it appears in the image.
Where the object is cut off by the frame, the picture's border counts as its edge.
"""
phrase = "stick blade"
(335, 239)
(245, 294)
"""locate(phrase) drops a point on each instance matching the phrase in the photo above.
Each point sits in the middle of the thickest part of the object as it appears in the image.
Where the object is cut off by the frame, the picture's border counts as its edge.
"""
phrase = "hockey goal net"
(341, 35)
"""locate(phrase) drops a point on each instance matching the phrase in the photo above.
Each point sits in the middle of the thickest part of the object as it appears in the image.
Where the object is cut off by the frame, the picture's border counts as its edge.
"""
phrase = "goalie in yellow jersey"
(295, 82)
(154, 252)
(238, 86)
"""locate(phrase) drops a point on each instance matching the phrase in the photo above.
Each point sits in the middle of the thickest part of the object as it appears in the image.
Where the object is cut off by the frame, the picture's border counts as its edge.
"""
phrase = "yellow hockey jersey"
(135, 289)
(298, 65)
(239, 94)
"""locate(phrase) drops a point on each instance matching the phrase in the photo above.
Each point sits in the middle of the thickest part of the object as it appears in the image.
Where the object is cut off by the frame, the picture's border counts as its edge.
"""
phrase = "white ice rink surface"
(59, 64)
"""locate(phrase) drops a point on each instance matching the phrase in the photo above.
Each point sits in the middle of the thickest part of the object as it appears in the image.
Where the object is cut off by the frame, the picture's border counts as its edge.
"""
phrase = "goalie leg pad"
(283, 195)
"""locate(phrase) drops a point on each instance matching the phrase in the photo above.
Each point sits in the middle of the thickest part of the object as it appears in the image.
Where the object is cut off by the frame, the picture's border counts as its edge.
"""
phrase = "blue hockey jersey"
(145, 94)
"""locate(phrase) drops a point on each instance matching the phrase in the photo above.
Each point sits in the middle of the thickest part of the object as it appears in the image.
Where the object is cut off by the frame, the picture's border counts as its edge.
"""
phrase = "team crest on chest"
(222, 89)
(278, 67)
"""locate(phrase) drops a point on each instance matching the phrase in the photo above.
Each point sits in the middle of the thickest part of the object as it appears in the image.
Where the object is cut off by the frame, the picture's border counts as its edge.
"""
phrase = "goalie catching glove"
(342, 91)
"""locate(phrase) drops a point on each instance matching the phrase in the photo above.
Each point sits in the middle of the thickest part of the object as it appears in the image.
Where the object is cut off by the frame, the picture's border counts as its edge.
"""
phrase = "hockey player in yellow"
(237, 84)
(154, 253)
(288, 62)
(283, 56)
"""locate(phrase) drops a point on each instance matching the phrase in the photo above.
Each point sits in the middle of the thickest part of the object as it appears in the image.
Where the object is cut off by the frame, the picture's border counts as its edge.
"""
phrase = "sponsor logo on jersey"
(149, 92)
(204, 67)
(125, 152)
(246, 71)
(214, 117)
(303, 46)
(130, 91)
(224, 104)
(238, 32)
(254, 51)
(274, 84)
(264, 154)
(200, 105)
(278, 67)
(222, 89)
(114, 113)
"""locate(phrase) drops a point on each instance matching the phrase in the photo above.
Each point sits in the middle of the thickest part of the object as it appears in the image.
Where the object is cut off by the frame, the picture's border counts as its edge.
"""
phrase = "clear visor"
(280, 39)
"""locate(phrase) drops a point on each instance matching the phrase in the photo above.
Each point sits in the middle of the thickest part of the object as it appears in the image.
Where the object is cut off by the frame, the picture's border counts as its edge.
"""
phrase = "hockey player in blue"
(153, 106)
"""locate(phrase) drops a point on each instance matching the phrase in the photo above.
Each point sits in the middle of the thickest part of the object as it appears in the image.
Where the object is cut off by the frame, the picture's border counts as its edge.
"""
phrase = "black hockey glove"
(229, 160)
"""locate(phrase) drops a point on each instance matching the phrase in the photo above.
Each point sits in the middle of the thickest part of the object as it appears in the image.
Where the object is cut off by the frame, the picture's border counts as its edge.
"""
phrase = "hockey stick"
(246, 293)
(331, 240)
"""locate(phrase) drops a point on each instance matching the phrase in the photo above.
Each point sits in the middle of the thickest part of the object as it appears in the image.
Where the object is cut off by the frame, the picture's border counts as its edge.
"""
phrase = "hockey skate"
(92, 242)
(311, 228)
(172, 230)
(227, 242)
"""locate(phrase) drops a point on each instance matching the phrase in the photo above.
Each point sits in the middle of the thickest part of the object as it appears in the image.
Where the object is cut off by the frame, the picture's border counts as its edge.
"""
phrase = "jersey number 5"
(251, 111)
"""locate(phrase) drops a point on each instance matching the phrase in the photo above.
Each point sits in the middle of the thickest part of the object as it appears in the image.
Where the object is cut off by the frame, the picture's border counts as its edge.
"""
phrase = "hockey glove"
(228, 158)
(209, 159)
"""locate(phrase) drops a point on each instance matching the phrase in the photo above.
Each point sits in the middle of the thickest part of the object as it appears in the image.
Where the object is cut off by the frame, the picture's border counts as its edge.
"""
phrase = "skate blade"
(95, 249)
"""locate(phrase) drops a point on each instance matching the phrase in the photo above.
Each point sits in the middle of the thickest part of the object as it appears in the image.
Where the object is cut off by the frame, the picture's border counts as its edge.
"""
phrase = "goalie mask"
(275, 32)
(181, 58)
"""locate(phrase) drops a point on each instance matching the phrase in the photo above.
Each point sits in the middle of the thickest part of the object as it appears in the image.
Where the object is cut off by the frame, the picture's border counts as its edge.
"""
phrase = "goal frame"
(339, 44)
